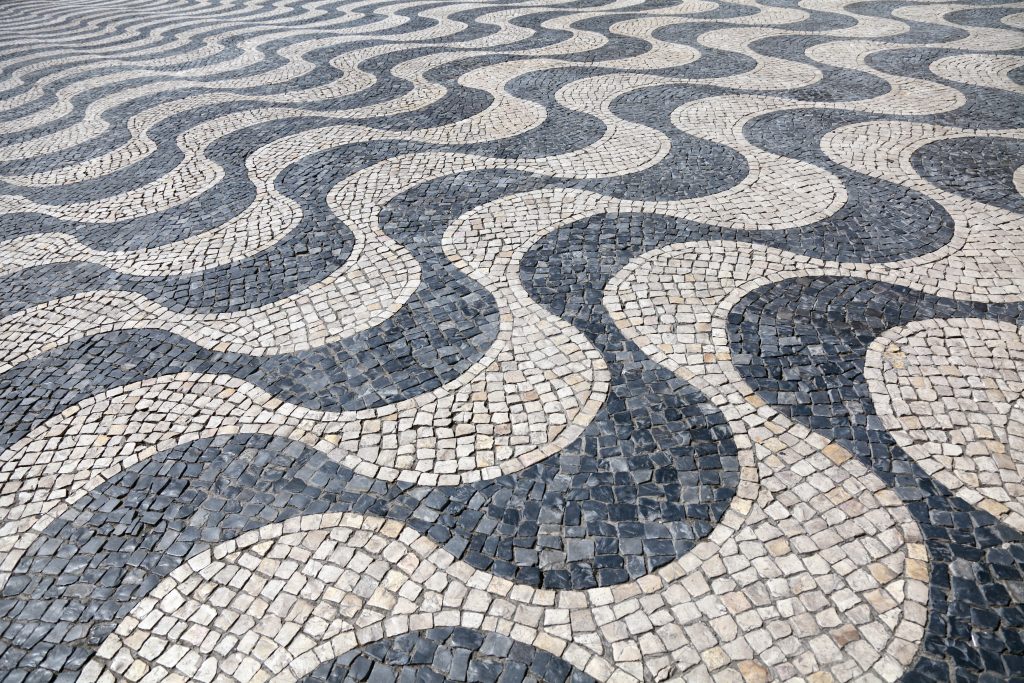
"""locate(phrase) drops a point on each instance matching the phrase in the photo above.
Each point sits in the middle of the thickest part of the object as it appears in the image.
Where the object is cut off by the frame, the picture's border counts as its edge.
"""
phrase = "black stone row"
(448, 654)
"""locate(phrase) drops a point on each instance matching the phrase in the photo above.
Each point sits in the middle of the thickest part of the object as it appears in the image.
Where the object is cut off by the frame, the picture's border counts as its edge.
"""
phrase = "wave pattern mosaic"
(533, 340)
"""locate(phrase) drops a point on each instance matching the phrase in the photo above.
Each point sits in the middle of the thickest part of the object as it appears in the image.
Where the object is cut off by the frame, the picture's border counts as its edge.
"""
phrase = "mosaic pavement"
(532, 340)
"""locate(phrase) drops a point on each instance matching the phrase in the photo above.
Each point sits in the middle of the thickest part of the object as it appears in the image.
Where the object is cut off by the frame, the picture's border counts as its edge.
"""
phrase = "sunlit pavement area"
(502, 341)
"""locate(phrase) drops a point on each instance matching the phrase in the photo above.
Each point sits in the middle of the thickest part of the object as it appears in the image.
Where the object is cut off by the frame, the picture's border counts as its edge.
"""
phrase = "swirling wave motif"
(555, 340)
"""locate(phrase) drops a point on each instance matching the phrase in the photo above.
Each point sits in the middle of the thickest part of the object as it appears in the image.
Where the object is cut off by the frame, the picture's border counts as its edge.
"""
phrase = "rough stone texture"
(602, 340)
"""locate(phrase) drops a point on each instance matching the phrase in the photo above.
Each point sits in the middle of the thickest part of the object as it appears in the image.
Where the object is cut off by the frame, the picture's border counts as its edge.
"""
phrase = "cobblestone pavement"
(512, 340)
